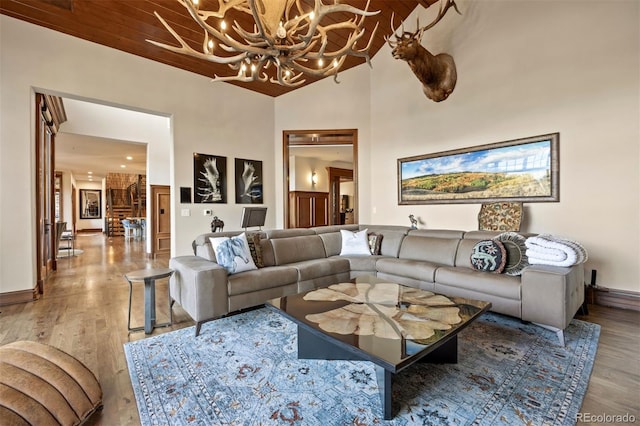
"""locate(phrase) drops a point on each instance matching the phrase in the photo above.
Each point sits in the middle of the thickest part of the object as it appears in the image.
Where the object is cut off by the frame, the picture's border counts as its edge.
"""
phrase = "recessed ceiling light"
(129, 157)
(89, 173)
(122, 166)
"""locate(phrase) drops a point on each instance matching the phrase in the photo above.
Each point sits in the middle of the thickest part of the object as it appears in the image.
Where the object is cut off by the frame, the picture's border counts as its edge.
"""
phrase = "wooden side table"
(149, 277)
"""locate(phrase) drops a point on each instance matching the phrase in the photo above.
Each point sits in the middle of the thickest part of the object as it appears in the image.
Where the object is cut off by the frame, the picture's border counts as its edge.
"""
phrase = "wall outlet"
(208, 212)
(185, 212)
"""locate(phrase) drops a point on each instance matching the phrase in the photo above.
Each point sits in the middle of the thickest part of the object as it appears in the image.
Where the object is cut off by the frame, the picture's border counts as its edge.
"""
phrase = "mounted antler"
(285, 35)
(437, 73)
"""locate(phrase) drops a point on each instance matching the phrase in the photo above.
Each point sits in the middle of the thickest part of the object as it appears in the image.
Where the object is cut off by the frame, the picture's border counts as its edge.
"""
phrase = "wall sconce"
(314, 178)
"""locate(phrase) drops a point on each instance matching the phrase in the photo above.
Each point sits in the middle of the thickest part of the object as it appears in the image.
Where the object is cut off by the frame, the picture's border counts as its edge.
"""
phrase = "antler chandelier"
(284, 36)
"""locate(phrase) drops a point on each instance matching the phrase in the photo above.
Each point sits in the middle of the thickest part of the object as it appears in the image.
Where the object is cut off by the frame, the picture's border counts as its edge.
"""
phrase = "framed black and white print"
(90, 203)
(248, 174)
(209, 178)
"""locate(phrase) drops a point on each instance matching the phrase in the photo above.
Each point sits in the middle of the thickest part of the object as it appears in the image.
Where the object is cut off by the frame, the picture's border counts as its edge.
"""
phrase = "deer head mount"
(437, 73)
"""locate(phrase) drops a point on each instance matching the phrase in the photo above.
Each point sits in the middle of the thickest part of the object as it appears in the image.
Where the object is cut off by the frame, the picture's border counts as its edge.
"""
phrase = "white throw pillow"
(233, 253)
(355, 243)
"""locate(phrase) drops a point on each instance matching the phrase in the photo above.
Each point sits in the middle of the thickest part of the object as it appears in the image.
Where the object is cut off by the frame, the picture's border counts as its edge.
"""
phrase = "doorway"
(334, 156)
(49, 115)
(160, 220)
(341, 203)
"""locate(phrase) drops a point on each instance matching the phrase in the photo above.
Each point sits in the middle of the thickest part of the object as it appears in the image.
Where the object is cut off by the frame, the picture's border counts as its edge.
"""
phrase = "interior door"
(337, 176)
(160, 219)
(45, 212)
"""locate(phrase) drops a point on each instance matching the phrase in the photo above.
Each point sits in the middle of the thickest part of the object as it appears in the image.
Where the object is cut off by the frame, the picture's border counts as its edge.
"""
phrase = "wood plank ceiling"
(127, 24)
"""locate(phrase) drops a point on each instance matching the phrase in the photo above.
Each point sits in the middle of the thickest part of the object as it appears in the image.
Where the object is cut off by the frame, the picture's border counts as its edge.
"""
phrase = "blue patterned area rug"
(243, 370)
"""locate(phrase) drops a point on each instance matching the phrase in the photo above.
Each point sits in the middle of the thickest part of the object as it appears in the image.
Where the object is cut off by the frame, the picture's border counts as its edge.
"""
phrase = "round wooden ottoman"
(42, 385)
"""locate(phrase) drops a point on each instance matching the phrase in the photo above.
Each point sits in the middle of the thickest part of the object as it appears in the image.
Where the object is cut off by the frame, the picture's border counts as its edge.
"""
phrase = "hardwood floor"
(84, 312)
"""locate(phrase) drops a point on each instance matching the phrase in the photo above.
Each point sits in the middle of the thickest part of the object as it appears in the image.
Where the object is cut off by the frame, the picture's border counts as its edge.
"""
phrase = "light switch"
(186, 212)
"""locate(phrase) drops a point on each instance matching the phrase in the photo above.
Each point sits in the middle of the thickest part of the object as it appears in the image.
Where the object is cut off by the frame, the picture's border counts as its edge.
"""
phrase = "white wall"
(327, 105)
(90, 223)
(67, 212)
(300, 169)
(524, 68)
(206, 118)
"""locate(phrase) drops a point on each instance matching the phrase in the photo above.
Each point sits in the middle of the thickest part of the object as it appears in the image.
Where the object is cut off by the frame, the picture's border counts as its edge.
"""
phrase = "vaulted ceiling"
(127, 24)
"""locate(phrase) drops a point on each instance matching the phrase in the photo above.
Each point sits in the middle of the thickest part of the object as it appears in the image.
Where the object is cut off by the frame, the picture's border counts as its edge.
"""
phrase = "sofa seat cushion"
(363, 263)
(484, 282)
(415, 269)
(258, 279)
(311, 269)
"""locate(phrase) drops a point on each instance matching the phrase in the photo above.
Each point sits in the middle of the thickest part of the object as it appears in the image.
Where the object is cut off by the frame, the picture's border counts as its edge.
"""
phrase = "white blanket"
(549, 250)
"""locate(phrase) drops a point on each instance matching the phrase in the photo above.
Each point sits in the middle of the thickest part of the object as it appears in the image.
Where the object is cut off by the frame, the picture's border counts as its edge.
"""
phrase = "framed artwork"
(209, 178)
(185, 195)
(524, 170)
(90, 203)
(248, 175)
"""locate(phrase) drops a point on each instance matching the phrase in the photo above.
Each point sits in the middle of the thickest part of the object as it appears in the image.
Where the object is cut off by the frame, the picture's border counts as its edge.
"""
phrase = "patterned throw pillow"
(256, 249)
(489, 256)
(233, 253)
(517, 258)
(375, 243)
(501, 216)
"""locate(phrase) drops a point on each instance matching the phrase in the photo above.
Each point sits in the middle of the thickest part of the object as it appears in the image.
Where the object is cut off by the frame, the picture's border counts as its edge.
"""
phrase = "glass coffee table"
(370, 319)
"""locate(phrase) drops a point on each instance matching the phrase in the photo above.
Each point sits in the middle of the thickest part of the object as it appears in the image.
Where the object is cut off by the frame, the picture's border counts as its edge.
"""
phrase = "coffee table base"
(312, 346)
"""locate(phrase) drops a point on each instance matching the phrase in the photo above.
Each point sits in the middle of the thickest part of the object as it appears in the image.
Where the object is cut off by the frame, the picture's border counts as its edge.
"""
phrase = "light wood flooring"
(84, 312)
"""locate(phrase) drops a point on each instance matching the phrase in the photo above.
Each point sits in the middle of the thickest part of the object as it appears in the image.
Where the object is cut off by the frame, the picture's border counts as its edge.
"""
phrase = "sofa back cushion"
(465, 249)
(331, 237)
(296, 249)
(391, 241)
(332, 243)
(430, 249)
(480, 235)
(334, 228)
(205, 250)
(289, 232)
(392, 237)
(438, 233)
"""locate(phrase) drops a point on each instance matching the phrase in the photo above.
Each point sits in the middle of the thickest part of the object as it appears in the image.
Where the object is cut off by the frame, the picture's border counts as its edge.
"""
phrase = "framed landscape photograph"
(90, 203)
(518, 170)
(209, 178)
(248, 181)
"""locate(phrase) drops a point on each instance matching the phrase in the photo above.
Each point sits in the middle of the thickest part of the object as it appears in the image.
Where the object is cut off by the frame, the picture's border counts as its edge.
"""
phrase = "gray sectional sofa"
(297, 260)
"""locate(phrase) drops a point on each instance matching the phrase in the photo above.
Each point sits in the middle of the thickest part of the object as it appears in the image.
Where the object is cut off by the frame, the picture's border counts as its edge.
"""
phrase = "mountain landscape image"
(516, 171)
